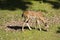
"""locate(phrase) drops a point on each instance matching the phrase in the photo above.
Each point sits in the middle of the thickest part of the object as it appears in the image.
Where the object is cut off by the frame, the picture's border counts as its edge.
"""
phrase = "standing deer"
(34, 15)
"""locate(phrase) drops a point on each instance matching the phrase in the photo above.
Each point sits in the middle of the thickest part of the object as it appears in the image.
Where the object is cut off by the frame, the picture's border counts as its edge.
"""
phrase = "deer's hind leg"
(26, 22)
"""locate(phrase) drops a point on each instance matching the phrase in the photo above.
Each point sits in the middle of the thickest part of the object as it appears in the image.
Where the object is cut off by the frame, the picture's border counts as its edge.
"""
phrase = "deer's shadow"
(17, 27)
(25, 27)
(58, 31)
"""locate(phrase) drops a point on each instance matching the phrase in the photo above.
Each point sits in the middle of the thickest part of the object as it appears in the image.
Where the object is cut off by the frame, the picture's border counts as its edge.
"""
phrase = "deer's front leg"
(39, 24)
(45, 23)
(46, 27)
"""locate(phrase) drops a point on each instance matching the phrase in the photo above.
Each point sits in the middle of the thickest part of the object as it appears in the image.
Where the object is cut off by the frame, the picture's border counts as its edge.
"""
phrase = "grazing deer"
(34, 15)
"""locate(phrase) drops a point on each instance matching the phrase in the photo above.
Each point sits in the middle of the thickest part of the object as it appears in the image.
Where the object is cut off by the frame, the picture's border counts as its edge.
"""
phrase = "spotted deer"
(34, 15)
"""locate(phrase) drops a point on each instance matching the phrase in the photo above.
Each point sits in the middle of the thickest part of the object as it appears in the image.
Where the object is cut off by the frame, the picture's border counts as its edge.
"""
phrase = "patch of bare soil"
(53, 20)
(17, 24)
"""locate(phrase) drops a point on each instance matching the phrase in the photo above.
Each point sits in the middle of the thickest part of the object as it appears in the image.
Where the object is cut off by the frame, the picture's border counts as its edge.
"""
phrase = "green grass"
(52, 14)
(30, 35)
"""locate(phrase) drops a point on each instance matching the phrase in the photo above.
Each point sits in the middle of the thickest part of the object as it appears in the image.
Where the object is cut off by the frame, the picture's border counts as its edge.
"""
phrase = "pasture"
(8, 16)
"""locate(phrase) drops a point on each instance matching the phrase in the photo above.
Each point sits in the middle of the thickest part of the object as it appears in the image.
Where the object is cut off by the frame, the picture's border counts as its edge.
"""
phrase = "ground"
(8, 18)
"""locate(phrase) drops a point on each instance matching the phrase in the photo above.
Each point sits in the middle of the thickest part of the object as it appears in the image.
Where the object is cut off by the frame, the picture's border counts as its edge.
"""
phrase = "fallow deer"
(34, 15)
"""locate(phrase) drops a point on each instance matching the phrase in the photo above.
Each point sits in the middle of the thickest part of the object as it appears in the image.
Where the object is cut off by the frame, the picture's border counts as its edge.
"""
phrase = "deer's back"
(29, 14)
(32, 14)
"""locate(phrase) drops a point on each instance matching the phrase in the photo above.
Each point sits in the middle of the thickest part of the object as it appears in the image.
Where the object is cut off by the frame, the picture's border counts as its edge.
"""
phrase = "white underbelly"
(32, 17)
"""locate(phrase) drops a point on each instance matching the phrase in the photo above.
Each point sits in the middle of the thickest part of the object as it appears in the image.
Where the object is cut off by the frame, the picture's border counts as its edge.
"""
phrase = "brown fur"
(34, 15)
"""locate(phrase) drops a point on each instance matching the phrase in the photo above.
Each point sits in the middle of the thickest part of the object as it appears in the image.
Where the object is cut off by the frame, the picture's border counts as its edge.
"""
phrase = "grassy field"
(53, 16)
